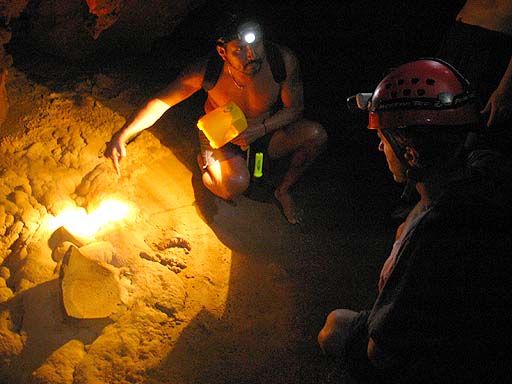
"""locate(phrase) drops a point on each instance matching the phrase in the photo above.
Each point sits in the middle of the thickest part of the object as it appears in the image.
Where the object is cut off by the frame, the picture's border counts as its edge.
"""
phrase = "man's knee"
(318, 133)
(332, 337)
(314, 139)
(227, 187)
(235, 185)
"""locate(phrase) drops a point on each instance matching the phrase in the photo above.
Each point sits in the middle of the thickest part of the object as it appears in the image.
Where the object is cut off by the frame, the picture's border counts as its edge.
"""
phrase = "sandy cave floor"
(210, 291)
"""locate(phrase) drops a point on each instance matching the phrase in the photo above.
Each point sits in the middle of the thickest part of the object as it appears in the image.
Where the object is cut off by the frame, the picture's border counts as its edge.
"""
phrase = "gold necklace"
(238, 85)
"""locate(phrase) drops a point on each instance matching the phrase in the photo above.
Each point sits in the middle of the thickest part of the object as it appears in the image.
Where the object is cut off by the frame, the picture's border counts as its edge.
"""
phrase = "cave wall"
(81, 30)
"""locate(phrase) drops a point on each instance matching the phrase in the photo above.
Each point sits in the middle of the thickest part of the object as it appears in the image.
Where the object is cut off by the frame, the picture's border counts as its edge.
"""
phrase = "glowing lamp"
(249, 37)
(249, 32)
(80, 223)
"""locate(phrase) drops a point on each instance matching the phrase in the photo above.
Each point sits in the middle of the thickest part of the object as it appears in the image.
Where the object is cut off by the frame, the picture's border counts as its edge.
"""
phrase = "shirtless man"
(480, 46)
(273, 111)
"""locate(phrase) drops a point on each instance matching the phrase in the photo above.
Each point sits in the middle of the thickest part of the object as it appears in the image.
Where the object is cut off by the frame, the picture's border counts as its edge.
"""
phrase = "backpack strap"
(213, 70)
(276, 62)
(215, 63)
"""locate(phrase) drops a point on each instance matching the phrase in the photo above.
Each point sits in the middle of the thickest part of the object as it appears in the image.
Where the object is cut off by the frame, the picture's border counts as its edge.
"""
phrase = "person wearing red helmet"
(443, 292)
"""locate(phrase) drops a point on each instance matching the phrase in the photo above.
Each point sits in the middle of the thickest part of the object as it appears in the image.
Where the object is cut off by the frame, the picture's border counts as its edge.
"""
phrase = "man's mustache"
(252, 62)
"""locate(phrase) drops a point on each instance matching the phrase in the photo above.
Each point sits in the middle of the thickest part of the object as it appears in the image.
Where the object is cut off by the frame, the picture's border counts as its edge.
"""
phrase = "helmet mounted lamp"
(248, 32)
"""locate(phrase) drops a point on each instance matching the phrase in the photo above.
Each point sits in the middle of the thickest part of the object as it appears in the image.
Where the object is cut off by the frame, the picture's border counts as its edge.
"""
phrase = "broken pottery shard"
(90, 289)
(99, 251)
(62, 235)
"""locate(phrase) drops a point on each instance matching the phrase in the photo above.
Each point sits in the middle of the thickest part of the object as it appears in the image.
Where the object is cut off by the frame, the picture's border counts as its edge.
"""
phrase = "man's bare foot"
(291, 212)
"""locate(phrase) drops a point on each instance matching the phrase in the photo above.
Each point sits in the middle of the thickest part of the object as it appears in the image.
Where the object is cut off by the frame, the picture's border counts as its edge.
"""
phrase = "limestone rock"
(100, 251)
(12, 8)
(5, 294)
(61, 236)
(60, 251)
(60, 366)
(90, 289)
(106, 13)
(4, 100)
(68, 29)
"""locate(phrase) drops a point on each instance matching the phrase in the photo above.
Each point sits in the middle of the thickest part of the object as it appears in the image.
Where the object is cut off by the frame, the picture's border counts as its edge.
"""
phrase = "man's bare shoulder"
(286, 52)
(188, 81)
(193, 73)
(290, 59)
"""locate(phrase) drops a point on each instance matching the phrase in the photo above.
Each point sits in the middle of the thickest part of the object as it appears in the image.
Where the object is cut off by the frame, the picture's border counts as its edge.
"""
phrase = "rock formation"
(82, 29)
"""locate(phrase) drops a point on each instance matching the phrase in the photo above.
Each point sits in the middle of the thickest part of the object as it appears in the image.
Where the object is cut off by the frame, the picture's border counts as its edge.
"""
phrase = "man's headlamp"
(249, 33)
(359, 102)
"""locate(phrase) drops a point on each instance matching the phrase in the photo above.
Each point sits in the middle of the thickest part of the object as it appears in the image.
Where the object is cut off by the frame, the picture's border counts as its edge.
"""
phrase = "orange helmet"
(425, 92)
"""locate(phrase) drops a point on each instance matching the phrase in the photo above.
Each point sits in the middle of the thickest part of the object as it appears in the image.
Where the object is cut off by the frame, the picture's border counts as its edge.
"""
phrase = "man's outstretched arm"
(180, 89)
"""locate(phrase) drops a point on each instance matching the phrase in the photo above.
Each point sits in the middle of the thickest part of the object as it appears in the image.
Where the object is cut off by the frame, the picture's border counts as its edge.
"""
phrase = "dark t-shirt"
(443, 310)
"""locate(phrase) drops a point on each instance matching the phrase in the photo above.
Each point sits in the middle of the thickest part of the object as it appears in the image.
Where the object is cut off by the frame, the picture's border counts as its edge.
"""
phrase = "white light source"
(110, 210)
(78, 222)
(249, 37)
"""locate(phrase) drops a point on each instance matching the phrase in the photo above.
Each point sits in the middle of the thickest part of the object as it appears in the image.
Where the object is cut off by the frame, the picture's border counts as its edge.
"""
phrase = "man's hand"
(251, 133)
(115, 151)
(499, 107)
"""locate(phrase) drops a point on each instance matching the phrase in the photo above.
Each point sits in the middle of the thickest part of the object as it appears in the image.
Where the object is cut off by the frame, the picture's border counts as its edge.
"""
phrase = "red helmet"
(425, 92)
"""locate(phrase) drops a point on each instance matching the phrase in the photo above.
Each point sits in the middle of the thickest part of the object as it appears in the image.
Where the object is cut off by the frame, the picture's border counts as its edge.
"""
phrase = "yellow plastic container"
(223, 124)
